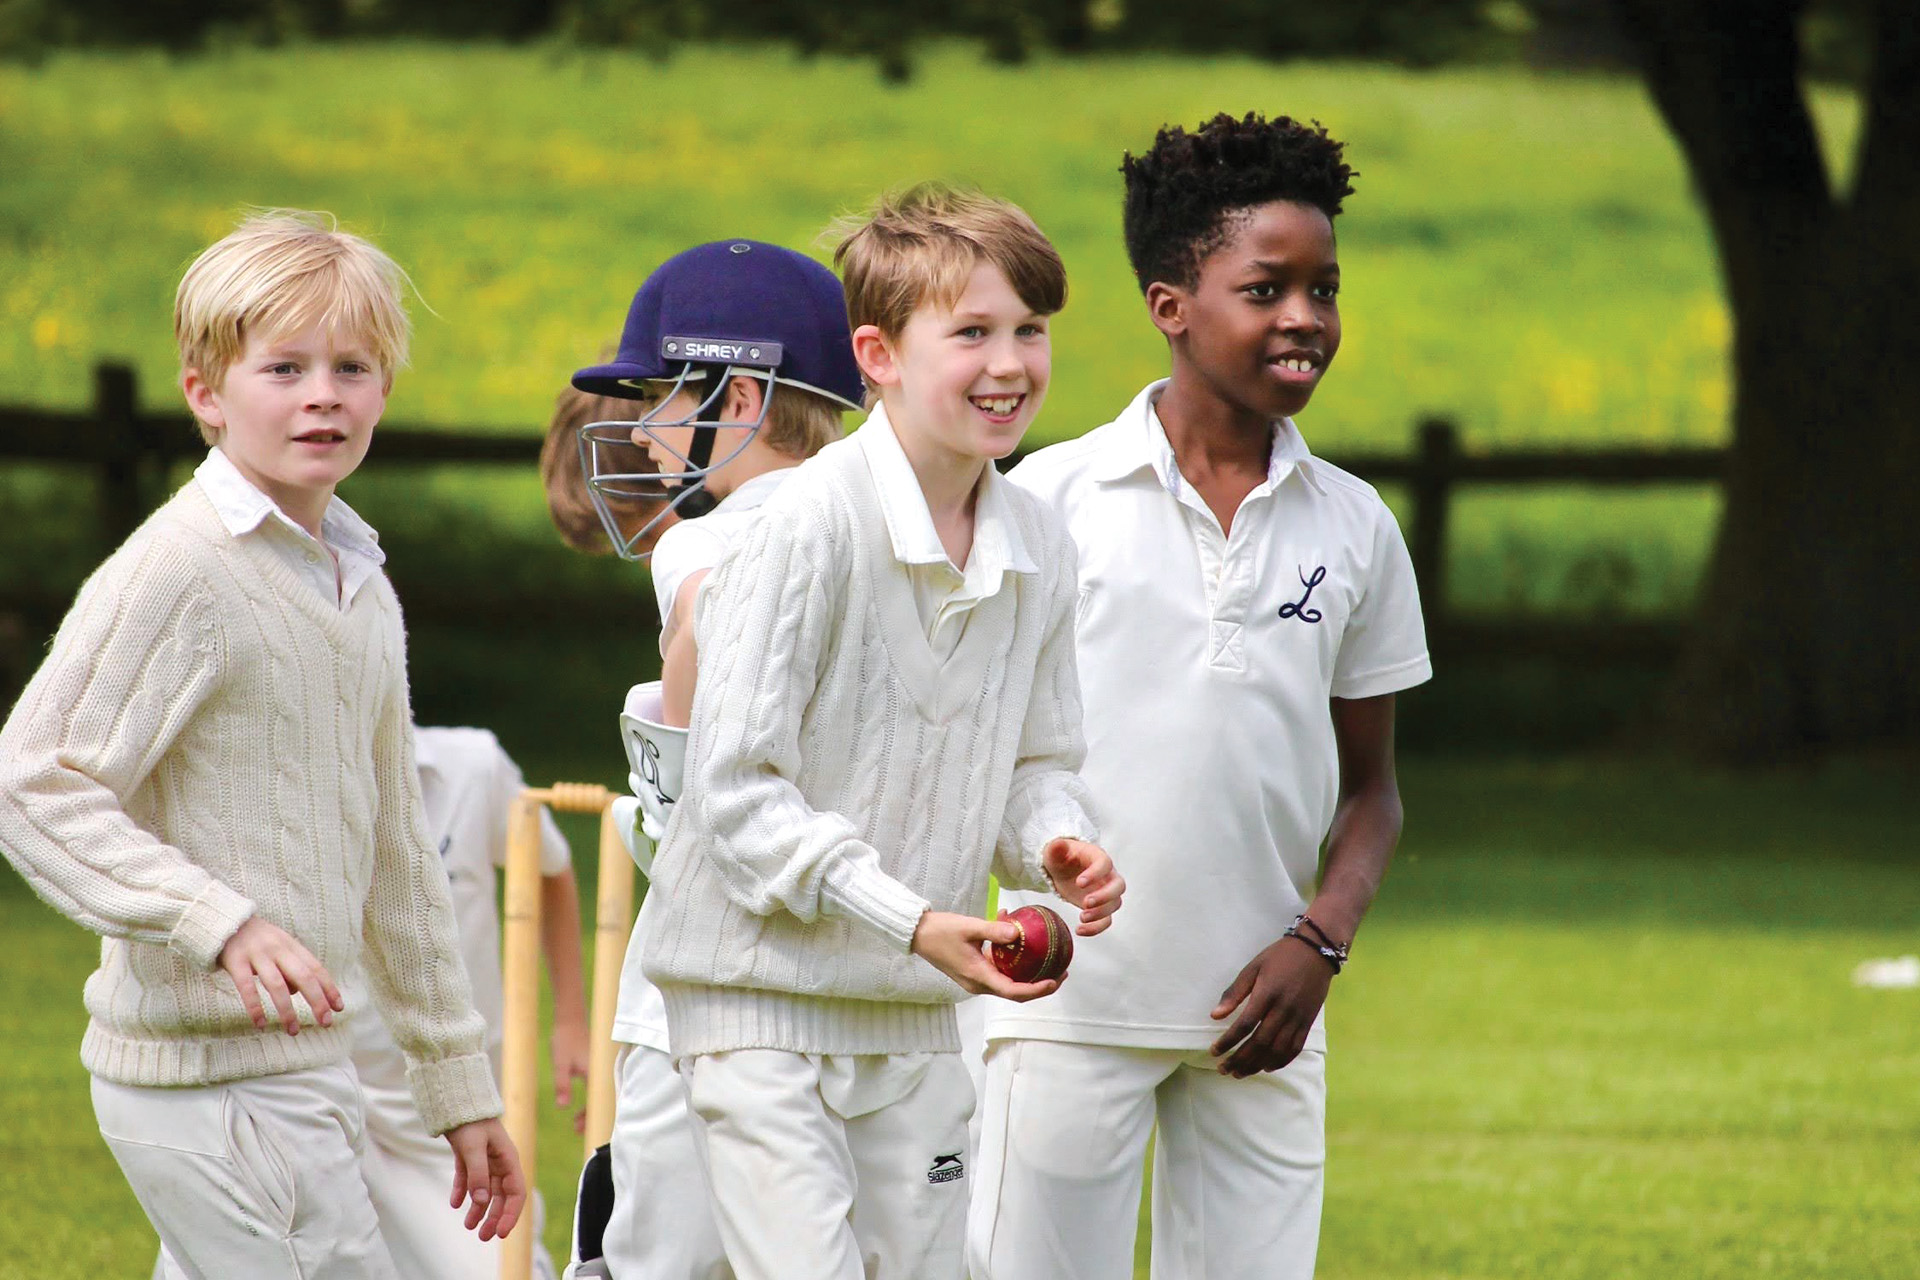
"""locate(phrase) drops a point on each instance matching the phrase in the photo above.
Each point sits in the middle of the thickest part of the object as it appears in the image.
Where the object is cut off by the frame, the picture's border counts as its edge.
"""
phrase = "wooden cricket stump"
(520, 973)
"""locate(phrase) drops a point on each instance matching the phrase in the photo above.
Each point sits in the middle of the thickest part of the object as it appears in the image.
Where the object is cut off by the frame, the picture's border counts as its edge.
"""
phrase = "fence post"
(116, 410)
(1432, 483)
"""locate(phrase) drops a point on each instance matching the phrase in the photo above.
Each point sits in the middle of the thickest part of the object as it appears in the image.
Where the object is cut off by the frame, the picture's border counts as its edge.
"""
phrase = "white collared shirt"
(943, 595)
(1207, 664)
(468, 784)
(336, 564)
(689, 546)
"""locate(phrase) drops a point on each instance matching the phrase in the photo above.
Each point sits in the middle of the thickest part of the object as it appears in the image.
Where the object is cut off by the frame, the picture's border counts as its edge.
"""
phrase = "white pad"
(656, 760)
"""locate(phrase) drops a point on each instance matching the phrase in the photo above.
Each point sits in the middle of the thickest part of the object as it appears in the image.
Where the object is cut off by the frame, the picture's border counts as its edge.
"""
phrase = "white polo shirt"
(688, 546)
(469, 783)
(335, 565)
(1206, 666)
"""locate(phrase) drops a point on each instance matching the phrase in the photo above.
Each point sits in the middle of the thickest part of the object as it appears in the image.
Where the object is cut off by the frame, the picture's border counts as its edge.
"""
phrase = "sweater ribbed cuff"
(875, 899)
(1058, 819)
(451, 1092)
(209, 920)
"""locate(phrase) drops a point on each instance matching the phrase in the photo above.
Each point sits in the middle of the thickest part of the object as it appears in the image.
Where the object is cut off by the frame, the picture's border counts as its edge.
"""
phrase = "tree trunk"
(1806, 638)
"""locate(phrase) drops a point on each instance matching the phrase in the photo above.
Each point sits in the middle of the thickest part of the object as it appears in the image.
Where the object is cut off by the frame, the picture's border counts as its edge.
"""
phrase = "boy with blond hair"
(887, 710)
(214, 770)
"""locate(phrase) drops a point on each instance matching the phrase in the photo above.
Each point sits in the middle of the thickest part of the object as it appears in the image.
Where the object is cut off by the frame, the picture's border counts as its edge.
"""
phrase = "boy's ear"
(200, 398)
(1167, 308)
(744, 397)
(875, 356)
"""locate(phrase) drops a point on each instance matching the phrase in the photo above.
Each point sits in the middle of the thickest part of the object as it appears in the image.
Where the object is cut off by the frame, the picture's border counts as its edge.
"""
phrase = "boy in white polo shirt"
(1247, 613)
(214, 770)
(886, 711)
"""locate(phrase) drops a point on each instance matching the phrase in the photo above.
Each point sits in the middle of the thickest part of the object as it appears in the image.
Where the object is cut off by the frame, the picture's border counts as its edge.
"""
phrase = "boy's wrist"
(209, 923)
(1304, 930)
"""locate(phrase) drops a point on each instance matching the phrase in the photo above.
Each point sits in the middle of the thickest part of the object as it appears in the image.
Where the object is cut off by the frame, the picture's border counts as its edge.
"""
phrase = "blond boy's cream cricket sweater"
(210, 740)
(841, 780)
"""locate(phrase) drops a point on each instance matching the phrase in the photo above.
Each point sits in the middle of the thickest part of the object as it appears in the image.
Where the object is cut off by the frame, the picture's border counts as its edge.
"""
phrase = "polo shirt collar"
(997, 544)
(1141, 445)
(242, 508)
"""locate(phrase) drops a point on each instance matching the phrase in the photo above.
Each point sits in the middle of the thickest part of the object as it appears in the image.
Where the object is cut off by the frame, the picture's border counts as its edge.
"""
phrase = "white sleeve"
(1384, 649)
(414, 963)
(503, 784)
(683, 550)
(136, 657)
(765, 620)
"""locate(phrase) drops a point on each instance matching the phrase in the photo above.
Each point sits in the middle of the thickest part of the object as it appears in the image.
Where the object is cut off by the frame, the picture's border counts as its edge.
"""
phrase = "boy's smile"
(295, 414)
(1262, 323)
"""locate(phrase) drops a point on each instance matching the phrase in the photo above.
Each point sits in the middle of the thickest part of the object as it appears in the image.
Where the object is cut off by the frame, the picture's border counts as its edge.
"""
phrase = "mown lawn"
(1600, 1025)
(1523, 252)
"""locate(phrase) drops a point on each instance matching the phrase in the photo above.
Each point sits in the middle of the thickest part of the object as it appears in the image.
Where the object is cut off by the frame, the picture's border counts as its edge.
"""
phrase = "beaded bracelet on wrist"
(1308, 931)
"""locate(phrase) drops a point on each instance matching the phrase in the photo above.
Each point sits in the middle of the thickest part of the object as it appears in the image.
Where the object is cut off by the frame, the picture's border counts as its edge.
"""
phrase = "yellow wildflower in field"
(1573, 386)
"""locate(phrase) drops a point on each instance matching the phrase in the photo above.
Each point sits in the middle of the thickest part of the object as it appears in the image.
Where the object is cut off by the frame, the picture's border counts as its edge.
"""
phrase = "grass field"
(1599, 1026)
(1523, 252)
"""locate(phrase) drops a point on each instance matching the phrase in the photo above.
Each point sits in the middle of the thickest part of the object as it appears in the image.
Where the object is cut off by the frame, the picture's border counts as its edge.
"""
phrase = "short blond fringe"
(279, 272)
(919, 246)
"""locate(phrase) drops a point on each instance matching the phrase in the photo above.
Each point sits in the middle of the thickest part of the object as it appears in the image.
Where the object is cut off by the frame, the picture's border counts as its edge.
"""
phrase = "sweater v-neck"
(340, 626)
(939, 688)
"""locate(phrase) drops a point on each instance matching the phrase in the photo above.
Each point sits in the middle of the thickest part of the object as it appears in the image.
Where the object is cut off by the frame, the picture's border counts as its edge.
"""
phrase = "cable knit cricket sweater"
(210, 740)
(841, 780)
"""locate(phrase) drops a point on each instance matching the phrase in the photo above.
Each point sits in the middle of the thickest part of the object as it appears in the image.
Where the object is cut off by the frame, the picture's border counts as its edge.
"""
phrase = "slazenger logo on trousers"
(947, 1169)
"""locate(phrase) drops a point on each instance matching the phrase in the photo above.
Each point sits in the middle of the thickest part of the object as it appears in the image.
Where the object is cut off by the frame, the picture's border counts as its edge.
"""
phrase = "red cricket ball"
(1044, 950)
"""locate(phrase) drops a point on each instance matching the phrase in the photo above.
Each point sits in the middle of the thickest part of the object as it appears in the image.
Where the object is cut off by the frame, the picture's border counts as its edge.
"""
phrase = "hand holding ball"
(1044, 949)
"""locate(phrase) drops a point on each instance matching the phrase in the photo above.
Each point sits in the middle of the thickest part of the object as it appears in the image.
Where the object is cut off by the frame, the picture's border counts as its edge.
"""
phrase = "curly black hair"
(1183, 195)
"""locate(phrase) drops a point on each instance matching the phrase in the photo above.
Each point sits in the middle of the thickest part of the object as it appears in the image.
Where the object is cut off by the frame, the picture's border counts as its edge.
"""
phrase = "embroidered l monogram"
(1298, 608)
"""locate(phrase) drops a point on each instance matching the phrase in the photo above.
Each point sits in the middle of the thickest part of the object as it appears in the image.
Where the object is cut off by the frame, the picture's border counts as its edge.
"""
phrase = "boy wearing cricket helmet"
(738, 352)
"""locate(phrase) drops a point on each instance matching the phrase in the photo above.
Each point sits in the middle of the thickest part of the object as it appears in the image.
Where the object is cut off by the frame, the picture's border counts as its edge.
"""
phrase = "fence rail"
(129, 450)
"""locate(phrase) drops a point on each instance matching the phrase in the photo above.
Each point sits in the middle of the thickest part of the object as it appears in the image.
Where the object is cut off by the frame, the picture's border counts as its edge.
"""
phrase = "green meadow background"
(1522, 255)
(1600, 1024)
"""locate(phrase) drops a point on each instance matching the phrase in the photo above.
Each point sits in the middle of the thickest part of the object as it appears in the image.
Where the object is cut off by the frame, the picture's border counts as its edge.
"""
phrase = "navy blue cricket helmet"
(730, 308)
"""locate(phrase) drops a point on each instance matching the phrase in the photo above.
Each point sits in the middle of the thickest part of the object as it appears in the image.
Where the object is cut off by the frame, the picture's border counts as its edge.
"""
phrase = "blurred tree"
(1419, 32)
(1811, 609)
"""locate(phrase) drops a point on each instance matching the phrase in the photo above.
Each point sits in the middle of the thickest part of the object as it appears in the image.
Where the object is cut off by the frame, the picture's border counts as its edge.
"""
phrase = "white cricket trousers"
(409, 1175)
(831, 1167)
(662, 1224)
(254, 1178)
(1237, 1167)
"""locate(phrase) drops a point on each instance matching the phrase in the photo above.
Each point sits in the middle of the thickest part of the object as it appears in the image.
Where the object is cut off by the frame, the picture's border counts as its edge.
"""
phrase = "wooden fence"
(129, 451)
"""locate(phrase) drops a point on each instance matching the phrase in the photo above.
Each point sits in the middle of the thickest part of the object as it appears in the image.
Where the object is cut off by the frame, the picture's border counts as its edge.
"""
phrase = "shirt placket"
(1210, 547)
